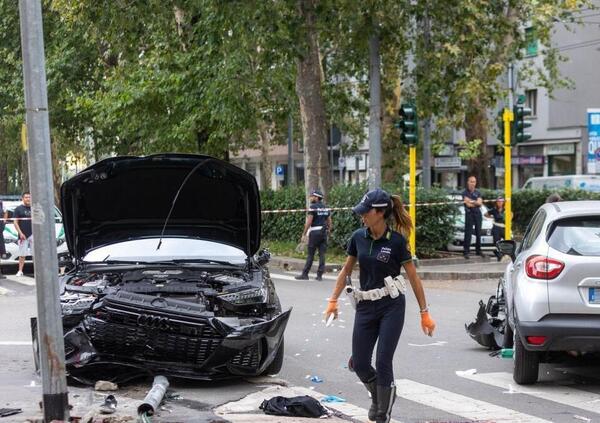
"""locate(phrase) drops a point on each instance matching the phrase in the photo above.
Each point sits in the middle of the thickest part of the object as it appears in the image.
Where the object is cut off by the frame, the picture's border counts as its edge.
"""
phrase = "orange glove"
(427, 323)
(332, 307)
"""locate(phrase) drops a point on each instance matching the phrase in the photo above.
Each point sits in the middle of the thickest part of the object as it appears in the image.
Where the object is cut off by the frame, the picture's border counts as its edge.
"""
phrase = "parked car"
(550, 292)
(11, 235)
(457, 242)
(584, 182)
(167, 275)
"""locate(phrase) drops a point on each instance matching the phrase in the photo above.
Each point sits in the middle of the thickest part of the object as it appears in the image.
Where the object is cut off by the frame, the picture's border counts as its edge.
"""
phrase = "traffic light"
(500, 123)
(408, 124)
(520, 123)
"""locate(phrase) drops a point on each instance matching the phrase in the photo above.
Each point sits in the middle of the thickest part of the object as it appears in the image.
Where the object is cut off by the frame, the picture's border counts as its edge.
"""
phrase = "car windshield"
(172, 249)
(579, 236)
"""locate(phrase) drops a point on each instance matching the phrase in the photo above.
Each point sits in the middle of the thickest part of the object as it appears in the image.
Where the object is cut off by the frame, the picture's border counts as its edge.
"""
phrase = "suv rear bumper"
(563, 332)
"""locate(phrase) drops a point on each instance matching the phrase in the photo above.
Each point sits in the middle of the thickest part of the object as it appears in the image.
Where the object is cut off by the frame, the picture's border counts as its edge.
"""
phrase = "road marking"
(460, 405)
(14, 343)
(561, 394)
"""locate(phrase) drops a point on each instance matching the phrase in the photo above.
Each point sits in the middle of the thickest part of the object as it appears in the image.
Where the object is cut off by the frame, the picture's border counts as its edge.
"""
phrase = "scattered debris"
(5, 412)
(585, 419)
(466, 372)
(109, 405)
(332, 398)
(300, 406)
(104, 385)
(154, 396)
(431, 344)
(316, 379)
(488, 328)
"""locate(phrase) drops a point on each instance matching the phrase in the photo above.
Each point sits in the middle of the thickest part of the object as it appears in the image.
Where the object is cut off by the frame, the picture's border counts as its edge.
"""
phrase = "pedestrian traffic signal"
(408, 124)
(500, 123)
(520, 123)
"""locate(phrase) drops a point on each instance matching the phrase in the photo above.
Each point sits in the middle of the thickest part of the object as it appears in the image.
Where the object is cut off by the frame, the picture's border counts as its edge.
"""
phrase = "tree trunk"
(374, 112)
(265, 134)
(312, 106)
(3, 176)
(56, 172)
(476, 129)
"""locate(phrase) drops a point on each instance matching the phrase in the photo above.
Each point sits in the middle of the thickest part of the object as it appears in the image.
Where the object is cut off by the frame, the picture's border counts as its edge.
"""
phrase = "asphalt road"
(430, 389)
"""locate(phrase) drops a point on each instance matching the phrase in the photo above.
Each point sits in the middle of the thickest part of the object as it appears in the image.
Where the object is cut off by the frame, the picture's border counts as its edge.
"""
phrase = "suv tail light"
(542, 267)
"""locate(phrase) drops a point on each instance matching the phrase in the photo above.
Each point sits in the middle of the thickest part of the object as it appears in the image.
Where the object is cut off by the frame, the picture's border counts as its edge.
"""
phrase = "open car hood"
(125, 198)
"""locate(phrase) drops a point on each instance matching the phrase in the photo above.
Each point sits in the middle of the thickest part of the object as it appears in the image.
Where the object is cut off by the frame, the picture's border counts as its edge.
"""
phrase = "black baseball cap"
(316, 193)
(376, 198)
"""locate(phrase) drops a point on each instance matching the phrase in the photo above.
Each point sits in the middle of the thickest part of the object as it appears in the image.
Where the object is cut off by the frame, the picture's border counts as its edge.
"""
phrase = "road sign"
(279, 170)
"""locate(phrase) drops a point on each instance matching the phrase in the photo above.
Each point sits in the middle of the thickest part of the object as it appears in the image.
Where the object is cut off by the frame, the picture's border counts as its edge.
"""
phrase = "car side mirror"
(507, 248)
(263, 257)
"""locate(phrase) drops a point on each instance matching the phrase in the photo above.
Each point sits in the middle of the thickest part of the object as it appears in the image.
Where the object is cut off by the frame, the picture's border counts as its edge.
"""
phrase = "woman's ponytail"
(401, 217)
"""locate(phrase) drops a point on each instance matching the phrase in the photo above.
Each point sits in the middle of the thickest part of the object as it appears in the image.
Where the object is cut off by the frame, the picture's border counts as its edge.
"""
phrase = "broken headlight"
(249, 296)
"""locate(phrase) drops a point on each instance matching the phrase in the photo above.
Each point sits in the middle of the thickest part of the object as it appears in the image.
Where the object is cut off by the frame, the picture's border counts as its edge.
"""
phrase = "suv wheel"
(527, 363)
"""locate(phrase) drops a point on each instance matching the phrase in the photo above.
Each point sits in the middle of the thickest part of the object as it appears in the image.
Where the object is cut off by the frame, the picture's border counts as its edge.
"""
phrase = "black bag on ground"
(302, 406)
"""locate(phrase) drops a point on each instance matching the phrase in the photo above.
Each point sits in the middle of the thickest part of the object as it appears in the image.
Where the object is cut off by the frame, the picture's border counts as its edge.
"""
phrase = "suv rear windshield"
(578, 236)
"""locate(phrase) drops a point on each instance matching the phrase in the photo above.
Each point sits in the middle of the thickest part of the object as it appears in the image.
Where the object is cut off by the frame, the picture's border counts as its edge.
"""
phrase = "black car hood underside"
(124, 198)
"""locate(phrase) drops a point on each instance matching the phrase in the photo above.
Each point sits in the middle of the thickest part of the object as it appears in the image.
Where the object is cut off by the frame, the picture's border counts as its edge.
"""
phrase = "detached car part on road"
(167, 277)
(550, 300)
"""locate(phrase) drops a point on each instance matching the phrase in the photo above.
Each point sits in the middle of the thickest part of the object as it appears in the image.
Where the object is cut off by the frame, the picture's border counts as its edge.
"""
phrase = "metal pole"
(50, 330)
(412, 197)
(426, 175)
(374, 112)
(507, 117)
(356, 164)
(290, 139)
(331, 152)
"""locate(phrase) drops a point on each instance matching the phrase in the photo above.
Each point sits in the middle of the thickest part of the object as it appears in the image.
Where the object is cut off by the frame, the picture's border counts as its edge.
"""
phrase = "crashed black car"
(167, 277)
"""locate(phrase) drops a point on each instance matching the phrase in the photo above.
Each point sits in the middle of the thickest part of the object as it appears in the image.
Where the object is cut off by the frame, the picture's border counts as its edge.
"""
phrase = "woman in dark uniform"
(381, 251)
(497, 213)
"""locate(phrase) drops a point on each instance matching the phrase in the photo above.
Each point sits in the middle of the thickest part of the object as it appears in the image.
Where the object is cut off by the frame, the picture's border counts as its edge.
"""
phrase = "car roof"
(561, 209)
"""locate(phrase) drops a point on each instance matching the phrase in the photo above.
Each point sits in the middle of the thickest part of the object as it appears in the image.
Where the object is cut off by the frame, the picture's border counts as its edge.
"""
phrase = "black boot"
(372, 388)
(386, 395)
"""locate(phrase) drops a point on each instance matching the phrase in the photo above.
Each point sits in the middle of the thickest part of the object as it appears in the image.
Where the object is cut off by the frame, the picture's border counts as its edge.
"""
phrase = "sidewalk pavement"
(450, 268)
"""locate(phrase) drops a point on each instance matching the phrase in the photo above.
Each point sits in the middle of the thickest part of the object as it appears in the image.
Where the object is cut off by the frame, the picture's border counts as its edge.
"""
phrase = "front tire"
(527, 363)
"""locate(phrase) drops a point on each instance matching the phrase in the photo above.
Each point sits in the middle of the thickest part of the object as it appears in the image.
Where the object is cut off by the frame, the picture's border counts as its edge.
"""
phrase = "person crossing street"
(381, 251)
(317, 227)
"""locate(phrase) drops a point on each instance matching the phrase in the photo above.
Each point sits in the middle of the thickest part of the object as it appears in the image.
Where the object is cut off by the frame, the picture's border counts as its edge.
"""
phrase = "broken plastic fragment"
(316, 379)
(332, 398)
(466, 372)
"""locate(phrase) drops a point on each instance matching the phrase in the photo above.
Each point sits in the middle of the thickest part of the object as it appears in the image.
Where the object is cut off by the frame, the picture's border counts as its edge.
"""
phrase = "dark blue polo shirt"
(319, 216)
(473, 196)
(378, 258)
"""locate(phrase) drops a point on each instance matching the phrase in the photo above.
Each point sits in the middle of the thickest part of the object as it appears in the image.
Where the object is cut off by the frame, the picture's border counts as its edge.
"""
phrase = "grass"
(288, 249)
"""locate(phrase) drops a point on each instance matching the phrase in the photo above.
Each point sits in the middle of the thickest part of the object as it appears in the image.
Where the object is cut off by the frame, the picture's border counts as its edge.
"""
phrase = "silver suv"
(552, 287)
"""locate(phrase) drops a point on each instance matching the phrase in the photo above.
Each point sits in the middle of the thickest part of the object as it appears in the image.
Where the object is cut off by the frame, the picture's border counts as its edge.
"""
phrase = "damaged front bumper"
(129, 335)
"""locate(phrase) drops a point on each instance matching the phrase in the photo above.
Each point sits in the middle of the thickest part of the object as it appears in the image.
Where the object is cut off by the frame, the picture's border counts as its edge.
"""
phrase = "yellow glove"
(427, 323)
(332, 308)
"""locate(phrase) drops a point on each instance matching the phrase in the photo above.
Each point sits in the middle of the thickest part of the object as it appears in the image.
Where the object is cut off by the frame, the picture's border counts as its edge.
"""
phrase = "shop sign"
(528, 160)
(440, 162)
(593, 156)
(560, 149)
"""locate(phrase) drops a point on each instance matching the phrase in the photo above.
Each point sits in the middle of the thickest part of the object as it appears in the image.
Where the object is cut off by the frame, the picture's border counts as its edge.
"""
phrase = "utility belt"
(393, 287)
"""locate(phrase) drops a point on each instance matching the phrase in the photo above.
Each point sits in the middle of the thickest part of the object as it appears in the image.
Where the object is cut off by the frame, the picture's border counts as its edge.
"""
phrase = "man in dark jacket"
(472, 201)
(316, 228)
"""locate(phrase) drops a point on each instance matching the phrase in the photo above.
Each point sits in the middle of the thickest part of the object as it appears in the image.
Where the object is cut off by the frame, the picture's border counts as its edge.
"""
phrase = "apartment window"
(531, 101)
(531, 42)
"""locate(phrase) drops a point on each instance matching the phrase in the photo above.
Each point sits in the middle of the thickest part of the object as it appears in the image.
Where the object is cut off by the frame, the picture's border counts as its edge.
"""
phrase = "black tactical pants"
(317, 240)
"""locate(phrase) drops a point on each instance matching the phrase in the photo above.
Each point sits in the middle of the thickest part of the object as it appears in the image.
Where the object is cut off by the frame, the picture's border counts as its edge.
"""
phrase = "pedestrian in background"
(497, 213)
(317, 227)
(472, 201)
(553, 198)
(22, 222)
(381, 251)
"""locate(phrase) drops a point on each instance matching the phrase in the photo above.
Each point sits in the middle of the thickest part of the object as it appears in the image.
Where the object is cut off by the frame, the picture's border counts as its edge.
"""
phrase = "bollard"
(154, 396)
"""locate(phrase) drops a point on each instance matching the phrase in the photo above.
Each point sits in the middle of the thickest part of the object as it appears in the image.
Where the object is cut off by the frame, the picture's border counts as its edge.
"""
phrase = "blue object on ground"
(332, 398)
(316, 379)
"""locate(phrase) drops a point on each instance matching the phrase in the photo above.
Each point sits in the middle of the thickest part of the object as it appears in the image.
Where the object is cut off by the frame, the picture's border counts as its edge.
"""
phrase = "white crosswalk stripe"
(561, 394)
(460, 405)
